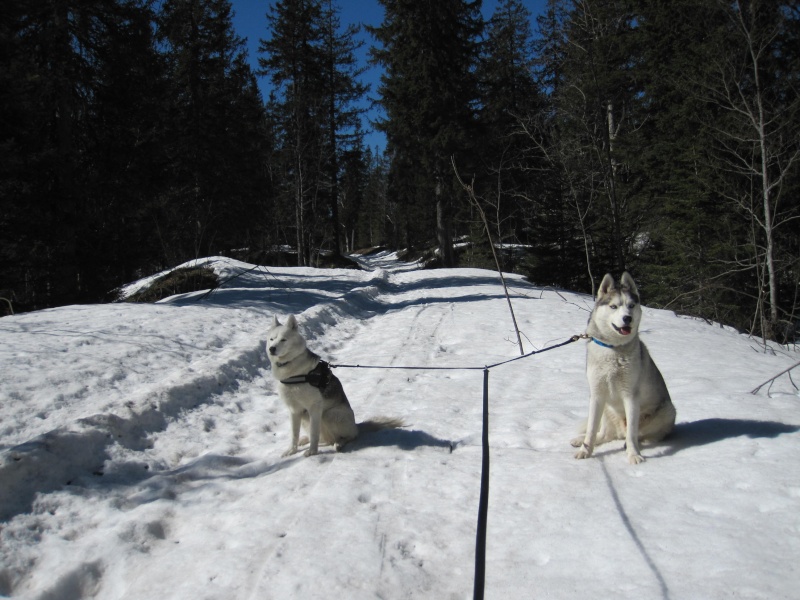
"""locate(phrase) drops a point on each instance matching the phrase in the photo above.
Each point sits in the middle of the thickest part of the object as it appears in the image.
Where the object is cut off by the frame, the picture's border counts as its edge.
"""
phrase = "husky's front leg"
(597, 403)
(314, 423)
(632, 430)
(297, 419)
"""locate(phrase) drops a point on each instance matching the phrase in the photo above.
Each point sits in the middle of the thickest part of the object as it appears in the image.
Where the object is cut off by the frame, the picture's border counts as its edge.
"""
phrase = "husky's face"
(284, 342)
(617, 312)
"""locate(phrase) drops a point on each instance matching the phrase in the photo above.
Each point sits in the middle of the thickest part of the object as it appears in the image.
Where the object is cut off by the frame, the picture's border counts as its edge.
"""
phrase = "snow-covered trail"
(386, 537)
(164, 425)
(381, 505)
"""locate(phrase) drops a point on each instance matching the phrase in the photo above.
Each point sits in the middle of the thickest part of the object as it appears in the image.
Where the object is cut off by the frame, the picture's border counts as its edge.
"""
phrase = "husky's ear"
(605, 286)
(275, 322)
(627, 282)
(291, 322)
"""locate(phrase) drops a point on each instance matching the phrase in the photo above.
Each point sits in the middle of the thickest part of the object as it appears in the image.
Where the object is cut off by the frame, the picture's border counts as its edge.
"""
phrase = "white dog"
(313, 394)
(629, 399)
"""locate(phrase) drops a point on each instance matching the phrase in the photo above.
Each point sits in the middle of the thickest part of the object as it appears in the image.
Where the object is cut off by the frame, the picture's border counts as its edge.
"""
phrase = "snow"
(141, 450)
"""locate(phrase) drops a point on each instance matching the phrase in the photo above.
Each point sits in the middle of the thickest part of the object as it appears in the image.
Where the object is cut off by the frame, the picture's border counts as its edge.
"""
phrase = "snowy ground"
(140, 451)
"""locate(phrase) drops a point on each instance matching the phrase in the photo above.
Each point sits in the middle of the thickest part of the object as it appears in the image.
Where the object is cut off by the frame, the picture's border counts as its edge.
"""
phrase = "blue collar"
(603, 344)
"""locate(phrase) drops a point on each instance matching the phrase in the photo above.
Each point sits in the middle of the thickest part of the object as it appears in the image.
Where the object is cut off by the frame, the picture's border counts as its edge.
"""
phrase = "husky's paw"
(635, 459)
(584, 452)
(341, 443)
(309, 452)
(576, 442)
(290, 451)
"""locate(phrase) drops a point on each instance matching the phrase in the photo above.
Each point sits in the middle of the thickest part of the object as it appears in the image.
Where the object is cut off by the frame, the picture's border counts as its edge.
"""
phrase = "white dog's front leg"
(632, 430)
(314, 422)
(297, 418)
(596, 405)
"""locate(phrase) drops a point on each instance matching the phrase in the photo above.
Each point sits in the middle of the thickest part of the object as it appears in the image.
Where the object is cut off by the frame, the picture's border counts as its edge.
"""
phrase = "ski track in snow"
(158, 472)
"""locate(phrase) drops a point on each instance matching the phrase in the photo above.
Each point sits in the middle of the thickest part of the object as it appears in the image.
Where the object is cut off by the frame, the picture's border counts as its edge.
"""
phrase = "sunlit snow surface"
(141, 450)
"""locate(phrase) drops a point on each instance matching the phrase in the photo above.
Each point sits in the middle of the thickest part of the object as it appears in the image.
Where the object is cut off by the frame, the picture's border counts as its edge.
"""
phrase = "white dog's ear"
(605, 286)
(275, 322)
(627, 282)
(291, 322)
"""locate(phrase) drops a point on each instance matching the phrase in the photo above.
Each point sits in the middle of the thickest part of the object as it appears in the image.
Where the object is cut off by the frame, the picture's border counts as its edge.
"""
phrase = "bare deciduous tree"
(756, 141)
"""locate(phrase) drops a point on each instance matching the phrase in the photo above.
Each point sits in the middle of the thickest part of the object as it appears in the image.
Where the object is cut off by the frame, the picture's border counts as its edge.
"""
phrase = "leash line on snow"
(479, 579)
(574, 338)
(483, 503)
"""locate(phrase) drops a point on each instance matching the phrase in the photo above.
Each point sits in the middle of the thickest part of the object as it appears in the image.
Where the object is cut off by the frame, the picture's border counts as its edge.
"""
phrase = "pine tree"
(590, 57)
(342, 91)
(681, 123)
(352, 193)
(377, 225)
(312, 67)
(67, 104)
(293, 58)
(509, 97)
(710, 250)
(27, 148)
(212, 104)
(125, 151)
(691, 229)
(247, 212)
(428, 92)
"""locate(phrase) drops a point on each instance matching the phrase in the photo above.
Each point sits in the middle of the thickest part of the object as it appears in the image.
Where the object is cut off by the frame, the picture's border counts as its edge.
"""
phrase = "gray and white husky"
(629, 399)
(312, 393)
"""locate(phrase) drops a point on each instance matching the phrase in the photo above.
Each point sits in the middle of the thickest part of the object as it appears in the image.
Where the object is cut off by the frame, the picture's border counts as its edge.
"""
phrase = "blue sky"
(251, 23)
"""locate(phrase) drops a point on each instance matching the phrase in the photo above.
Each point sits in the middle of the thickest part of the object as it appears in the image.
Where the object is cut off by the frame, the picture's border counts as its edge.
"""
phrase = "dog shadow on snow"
(403, 438)
(710, 431)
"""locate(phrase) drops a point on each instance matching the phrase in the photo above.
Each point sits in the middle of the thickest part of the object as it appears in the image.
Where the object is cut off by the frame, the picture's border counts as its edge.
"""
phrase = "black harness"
(319, 377)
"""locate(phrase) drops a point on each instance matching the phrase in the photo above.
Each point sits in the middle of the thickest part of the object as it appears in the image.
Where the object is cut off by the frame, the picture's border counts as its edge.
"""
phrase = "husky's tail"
(379, 424)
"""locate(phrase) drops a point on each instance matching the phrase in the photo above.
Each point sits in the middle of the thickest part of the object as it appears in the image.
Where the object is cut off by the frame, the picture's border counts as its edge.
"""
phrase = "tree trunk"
(766, 192)
(64, 270)
(443, 234)
(619, 254)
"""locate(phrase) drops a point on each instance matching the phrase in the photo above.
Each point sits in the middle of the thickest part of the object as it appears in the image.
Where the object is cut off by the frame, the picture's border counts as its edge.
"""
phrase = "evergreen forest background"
(602, 135)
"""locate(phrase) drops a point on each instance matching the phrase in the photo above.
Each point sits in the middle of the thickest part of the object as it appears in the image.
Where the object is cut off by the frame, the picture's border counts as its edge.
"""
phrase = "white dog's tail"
(379, 424)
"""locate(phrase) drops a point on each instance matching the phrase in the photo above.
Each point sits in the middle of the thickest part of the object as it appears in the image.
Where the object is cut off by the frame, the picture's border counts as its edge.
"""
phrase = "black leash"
(483, 503)
(574, 338)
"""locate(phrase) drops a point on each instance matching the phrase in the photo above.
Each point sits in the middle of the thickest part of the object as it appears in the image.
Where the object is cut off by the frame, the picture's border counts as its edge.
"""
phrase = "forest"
(601, 135)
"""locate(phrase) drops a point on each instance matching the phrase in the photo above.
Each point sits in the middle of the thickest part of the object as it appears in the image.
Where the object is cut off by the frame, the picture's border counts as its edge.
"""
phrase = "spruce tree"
(293, 59)
(312, 67)
(79, 80)
(691, 229)
(342, 92)
(590, 57)
(428, 92)
(509, 97)
(378, 223)
(352, 193)
(212, 99)
(126, 151)
(717, 231)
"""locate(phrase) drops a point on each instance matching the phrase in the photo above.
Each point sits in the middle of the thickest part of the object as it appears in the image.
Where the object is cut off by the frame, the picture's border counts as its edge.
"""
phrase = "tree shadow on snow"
(710, 431)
